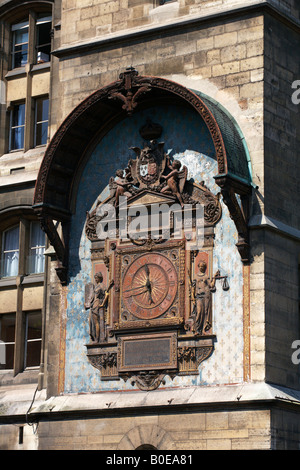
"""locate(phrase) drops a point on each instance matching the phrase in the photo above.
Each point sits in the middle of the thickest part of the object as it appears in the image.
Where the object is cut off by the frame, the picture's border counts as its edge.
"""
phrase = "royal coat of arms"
(150, 163)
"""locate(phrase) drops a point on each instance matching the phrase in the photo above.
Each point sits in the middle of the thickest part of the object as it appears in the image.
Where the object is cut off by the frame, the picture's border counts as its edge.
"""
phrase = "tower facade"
(149, 225)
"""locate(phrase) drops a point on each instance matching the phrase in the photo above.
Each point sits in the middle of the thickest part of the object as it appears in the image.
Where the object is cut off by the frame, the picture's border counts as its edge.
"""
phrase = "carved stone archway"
(94, 117)
(147, 435)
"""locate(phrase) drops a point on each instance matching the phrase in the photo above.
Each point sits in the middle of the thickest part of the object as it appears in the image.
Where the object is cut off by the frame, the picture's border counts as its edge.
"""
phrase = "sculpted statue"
(96, 300)
(202, 297)
(175, 179)
(121, 185)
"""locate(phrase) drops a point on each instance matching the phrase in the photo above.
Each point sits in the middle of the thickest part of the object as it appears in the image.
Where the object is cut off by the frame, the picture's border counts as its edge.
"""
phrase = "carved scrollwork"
(128, 97)
(238, 214)
(148, 380)
(203, 353)
(105, 359)
(186, 353)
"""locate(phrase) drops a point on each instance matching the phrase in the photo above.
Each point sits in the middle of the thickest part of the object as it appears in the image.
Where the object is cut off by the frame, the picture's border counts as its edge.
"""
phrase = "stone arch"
(140, 437)
(95, 116)
(92, 119)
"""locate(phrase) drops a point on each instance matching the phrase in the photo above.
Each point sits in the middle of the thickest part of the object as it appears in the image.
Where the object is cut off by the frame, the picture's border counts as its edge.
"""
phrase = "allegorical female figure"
(96, 301)
(203, 287)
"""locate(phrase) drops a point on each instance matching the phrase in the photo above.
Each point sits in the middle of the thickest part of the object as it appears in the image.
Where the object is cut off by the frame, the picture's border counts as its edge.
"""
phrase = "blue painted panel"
(186, 138)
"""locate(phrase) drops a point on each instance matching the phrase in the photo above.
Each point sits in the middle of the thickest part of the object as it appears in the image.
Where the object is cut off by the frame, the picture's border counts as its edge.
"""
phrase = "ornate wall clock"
(156, 315)
(150, 285)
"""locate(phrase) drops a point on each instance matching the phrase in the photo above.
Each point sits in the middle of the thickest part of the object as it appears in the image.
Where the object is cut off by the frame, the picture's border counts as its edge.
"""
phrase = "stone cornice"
(250, 8)
(166, 400)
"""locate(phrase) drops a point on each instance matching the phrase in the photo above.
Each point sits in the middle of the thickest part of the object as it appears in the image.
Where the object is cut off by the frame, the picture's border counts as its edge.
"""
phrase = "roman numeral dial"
(149, 286)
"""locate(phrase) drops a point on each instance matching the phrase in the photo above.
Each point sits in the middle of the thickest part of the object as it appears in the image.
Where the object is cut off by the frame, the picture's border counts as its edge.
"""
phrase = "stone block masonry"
(229, 55)
(211, 430)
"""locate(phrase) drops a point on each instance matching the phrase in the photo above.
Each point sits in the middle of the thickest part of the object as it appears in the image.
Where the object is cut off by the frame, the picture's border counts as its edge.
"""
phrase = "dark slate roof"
(238, 158)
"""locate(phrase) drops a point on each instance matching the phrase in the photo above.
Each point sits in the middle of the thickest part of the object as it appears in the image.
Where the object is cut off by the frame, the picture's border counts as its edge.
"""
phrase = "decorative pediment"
(152, 179)
(148, 197)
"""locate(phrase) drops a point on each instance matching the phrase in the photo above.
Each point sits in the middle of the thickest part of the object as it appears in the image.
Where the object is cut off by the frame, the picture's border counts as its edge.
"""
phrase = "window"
(22, 260)
(43, 42)
(17, 127)
(31, 259)
(17, 124)
(7, 338)
(29, 343)
(20, 44)
(36, 259)
(10, 254)
(33, 339)
(26, 69)
(38, 50)
(41, 121)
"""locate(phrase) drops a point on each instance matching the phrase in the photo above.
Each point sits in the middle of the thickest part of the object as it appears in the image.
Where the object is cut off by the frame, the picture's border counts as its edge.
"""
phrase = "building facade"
(115, 114)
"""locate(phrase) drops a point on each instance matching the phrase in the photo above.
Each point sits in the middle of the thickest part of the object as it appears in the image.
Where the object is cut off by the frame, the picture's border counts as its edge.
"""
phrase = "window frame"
(21, 341)
(36, 122)
(33, 19)
(15, 285)
(8, 343)
(31, 248)
(25, 228)
(14, 29)
(26, 340)
(39, 21)
(12, 127)
(3, 251)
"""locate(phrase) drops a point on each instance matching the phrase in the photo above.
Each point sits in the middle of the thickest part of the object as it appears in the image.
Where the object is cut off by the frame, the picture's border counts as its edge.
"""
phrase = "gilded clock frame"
(173, 250)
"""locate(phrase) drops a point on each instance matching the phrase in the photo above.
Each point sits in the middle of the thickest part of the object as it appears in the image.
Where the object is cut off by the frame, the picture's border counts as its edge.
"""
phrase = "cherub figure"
(173, 179)
(122, 186)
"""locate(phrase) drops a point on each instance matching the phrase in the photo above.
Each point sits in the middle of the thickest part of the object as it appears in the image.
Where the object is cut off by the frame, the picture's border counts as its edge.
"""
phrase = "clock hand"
(148, 283)
(135, 288)
(147, 270)
(138, 293)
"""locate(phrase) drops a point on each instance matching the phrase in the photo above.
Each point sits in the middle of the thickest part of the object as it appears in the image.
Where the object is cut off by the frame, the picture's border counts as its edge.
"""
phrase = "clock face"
(149, 286)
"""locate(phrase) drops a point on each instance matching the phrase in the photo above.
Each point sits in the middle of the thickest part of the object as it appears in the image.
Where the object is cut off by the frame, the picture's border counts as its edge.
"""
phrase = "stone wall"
(231, 54)
(247, 64)
(285, 429)
(282, 123)
(281, 164)
(86, 19)
(18, 437)
(211, 430)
